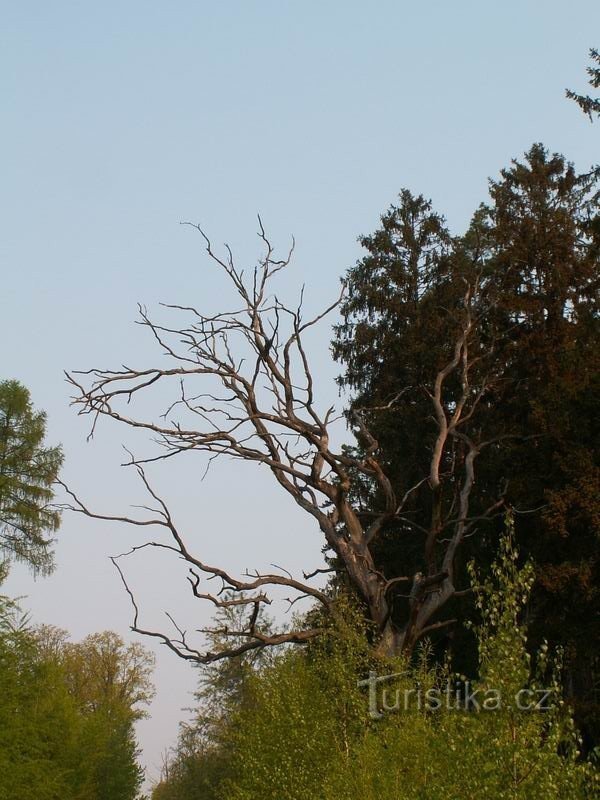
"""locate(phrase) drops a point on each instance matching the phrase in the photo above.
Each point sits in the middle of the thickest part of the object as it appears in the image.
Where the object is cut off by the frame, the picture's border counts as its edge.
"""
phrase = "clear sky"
(119, 119)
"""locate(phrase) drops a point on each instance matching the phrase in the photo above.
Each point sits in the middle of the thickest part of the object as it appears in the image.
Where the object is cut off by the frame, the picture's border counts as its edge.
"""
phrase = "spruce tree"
(536, 247)
(589, 105)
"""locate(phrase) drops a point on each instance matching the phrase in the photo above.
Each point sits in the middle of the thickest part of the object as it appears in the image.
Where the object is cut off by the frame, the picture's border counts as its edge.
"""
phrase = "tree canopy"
(310, 724)
(67, 712)
(28, 470)
(535, 379)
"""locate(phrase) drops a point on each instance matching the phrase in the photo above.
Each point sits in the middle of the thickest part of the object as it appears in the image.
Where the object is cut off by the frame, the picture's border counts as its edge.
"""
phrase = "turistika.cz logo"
(457, 695)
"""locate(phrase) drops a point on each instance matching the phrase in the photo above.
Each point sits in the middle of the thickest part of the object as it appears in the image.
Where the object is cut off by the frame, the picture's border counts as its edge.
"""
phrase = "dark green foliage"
(28, 470)
(589, 105)
(38, 721)
(67, 713)
(107, 765)
(544, 225)
(536, 247)
(109, 681)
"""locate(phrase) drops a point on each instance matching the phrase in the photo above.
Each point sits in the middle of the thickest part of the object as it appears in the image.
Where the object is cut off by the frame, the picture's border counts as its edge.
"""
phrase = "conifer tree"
(537, 248)
(589, 105)
(28, 469)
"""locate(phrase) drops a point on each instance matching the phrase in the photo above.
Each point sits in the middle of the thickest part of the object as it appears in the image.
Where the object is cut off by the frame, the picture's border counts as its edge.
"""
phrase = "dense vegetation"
(300, 726)
(67, 712)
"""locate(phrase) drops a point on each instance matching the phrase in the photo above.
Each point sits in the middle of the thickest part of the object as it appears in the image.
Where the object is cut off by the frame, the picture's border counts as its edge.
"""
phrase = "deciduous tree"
(244, 389)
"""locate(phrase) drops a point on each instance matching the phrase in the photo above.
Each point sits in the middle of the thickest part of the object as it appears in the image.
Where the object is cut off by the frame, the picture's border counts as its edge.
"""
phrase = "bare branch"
(257, 403)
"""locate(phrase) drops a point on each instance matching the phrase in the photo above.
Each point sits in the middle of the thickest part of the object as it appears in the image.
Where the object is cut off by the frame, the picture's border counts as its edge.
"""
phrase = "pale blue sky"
(121, 119)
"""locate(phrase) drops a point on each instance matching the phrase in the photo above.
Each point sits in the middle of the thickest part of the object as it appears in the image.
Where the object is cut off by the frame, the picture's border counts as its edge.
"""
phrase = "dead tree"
(259, 405)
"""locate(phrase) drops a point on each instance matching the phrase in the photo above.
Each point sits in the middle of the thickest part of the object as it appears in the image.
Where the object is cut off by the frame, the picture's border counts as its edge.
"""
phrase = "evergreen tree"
(589, 105)
(536, 247)
(28, 470)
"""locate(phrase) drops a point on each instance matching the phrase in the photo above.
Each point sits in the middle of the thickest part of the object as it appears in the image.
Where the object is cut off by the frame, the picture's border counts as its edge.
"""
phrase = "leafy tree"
(107, 766)
(28, 470)
(493, 745)
(38, 721)
(109, 682)
(63, 737)
(589, 105)
(105, 673)
(201, 759)
(306, 726)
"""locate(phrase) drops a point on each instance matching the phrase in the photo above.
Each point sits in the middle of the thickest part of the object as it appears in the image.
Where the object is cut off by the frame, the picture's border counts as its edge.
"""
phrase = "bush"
(308, 725)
